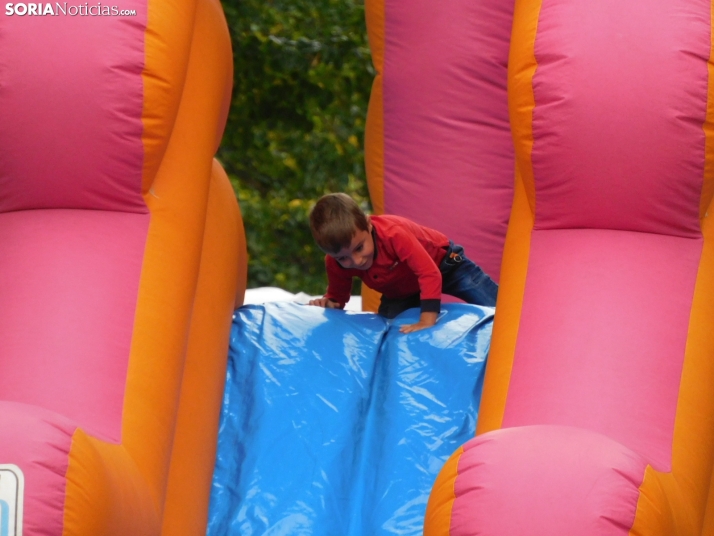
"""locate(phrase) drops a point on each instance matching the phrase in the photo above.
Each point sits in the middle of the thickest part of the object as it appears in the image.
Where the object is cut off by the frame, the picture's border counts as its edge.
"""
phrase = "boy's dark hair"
(334, 221)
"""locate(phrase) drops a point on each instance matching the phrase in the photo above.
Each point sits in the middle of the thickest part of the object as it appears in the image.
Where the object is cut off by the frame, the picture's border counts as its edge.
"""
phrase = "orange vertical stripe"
(374, 132)
(374, 166)
(370, 299)
(708, 182)
(708, 527)
(167, 47)
(194, 450)
(437, 521)
(375, 15)
(521, 101)
(509, 305)
(374, 147)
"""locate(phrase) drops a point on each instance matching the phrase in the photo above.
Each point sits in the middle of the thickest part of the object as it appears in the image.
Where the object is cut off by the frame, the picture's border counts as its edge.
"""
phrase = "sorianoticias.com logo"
(63, 9)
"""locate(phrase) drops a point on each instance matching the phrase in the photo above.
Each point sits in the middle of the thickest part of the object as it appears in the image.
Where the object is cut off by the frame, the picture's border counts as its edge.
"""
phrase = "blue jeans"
(460, 277)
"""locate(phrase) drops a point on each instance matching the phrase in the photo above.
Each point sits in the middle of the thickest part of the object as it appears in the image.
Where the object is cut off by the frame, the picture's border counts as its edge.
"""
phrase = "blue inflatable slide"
(336, 424)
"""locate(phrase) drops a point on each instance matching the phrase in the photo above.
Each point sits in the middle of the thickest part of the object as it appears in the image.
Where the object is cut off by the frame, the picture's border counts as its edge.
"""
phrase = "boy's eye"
(359, 248)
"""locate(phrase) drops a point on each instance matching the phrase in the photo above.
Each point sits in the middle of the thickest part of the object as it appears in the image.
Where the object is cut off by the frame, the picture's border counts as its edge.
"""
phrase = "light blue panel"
(298, 388)
(424, 406)
(335, 423)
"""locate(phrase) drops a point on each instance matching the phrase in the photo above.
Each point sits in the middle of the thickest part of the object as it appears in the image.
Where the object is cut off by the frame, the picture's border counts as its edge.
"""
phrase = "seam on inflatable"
(708, 127)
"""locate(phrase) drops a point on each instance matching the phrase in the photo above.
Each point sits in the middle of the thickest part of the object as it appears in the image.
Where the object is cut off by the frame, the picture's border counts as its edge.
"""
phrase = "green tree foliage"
(295, 131)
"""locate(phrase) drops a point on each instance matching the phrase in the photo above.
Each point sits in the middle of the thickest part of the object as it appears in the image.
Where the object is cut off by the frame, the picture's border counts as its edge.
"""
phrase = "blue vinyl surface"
(334, 423)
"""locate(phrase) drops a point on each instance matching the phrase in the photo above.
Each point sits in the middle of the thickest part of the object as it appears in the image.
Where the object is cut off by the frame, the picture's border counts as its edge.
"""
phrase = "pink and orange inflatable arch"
(597, 415)
(122, 256)
(123, 253)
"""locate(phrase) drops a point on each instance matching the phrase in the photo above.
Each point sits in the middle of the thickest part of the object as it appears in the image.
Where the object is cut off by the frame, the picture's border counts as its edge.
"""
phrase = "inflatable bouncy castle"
(568, 145)
(121, 260)
(597, 416)
(585, 129)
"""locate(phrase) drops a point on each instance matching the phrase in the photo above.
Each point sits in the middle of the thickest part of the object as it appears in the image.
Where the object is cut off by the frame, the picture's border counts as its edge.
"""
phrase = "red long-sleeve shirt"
(406, 262)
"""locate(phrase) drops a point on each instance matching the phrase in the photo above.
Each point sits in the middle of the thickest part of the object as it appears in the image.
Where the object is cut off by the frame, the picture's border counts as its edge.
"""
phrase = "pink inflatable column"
(438, 142)
(595, 416)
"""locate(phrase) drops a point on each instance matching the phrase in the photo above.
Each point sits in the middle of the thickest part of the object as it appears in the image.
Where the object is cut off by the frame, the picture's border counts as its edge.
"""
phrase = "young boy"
(409, 264)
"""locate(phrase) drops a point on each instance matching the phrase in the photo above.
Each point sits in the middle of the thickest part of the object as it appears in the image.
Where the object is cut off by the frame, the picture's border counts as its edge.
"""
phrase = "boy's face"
(360, 253)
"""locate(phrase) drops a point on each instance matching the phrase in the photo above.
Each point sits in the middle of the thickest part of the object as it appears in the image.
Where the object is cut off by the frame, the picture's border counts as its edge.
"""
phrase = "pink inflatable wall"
(595, 417)
(438, 147)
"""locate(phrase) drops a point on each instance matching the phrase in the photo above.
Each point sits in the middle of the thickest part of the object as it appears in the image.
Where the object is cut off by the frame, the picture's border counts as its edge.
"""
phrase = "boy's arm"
(412, 252)
(339, 286)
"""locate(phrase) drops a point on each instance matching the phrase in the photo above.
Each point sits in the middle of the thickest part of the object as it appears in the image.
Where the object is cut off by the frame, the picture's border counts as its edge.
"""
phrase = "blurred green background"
(303, 74)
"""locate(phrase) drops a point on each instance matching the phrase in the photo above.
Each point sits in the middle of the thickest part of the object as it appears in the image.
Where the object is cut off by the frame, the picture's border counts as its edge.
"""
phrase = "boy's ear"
(369, 224)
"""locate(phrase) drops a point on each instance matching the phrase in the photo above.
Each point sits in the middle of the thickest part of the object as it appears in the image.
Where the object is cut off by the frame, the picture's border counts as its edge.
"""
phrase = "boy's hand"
(324, 302)
(426, 320)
